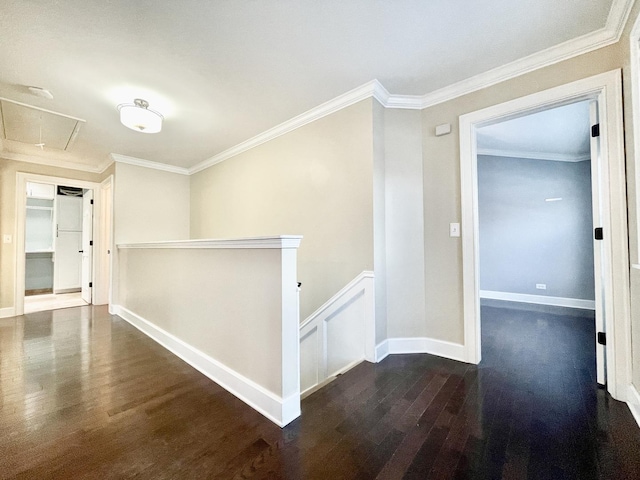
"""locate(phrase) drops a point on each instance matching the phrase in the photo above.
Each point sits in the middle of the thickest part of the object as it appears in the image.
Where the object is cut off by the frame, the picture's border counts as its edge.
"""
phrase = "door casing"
(606, 89)
(21, 202)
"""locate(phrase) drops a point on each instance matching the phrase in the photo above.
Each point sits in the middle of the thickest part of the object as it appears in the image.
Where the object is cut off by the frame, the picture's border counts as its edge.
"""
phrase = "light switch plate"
(454, 229)
(6, 239)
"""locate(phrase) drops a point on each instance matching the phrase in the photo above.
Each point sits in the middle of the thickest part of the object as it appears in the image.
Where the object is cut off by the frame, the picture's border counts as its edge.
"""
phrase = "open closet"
(58, 244)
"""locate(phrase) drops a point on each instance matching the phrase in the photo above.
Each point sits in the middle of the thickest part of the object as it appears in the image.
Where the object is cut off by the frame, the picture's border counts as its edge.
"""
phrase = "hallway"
(85, 395)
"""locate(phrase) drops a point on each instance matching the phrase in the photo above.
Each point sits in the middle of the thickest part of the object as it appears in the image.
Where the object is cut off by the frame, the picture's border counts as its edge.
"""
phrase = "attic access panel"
(23, 123)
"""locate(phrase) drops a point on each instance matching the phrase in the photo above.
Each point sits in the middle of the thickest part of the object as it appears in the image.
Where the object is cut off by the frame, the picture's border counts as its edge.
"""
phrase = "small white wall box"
(443, 129)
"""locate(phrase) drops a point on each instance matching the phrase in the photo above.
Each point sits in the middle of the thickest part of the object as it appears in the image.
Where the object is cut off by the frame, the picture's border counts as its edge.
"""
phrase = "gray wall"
(525, 240)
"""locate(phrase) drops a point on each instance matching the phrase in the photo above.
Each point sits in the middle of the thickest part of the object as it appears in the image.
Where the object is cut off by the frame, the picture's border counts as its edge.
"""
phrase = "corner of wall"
(379, 221)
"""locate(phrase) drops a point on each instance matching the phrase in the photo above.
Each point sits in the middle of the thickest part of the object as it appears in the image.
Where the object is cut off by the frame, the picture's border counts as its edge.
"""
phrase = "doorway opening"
(58, 246)
(537, 211)
(611, 260)
(63, 240)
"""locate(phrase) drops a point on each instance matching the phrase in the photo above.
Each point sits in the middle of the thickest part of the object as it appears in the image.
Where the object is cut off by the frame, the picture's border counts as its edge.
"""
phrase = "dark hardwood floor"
(85, 395)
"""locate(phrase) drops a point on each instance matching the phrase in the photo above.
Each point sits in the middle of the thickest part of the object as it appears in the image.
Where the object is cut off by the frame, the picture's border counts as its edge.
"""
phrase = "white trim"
(60, 163)
(104, 261)
(40, 109)
(635, 266)
(555, 157)
(633, 401)
(607, 89)
(618, 16)
(316, 324)
(313, 388)
(564, 51)
(539, 299)
(279, 411)
(280, 241)
(362, 284)
(140, 162)
(342, 292)
(7, 312)
(382, 351)
(608, 35)
(441, 348)
(363, 92)
(635, 110)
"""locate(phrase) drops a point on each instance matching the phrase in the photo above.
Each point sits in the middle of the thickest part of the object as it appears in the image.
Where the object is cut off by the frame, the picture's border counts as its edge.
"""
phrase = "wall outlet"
(541, 286)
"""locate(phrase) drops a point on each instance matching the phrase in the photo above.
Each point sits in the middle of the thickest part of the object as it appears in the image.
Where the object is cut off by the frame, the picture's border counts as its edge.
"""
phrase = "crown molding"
(603, 37)
(616, 20)
(368, 90)
(619, 16)
(140, 162)
(556, 157)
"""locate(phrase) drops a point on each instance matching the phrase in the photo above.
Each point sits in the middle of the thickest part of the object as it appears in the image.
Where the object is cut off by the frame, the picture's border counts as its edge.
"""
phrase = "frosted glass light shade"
(137, 116)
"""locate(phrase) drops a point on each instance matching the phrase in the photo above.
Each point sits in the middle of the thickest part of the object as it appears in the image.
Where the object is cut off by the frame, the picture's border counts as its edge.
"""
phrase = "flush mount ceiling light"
(137, 116)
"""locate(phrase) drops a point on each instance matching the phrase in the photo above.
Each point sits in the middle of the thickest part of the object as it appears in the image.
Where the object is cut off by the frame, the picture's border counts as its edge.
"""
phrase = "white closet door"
(68, 262)
(69, 213)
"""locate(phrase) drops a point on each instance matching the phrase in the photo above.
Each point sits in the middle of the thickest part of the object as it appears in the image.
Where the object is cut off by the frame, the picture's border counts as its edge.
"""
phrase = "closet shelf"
(48, 250)
(33, 207)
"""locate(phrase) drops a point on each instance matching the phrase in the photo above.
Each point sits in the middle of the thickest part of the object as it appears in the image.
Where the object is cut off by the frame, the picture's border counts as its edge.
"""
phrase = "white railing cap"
(279, 241)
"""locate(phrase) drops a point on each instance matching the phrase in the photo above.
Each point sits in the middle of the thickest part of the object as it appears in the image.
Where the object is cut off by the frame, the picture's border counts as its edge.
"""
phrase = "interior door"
(87, 245)
(68, 260)
(598, 253)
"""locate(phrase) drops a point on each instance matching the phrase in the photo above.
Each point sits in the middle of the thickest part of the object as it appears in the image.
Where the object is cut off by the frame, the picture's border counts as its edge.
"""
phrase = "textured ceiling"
(224, 71)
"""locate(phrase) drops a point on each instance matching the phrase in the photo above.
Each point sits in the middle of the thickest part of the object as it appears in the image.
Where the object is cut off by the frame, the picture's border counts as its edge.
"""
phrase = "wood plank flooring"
(52, 301)
(85, 395)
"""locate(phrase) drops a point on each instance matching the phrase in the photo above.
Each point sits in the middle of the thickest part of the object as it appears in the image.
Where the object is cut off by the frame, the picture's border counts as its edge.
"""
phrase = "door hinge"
(602, 338)
(92, 198)
(598, 234)
(90, 284)
(91, 243)
(595, 130)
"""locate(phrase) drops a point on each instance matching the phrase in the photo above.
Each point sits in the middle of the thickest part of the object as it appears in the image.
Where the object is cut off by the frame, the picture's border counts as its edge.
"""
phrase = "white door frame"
(21, 208)
(606, 88)
(102, 292)
(635, 110)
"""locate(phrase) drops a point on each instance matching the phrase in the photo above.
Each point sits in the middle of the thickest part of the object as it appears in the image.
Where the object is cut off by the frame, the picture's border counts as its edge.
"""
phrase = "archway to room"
(63, 242)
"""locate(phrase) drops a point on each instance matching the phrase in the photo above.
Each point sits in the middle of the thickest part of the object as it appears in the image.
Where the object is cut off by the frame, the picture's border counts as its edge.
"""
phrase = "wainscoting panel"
(338, 335)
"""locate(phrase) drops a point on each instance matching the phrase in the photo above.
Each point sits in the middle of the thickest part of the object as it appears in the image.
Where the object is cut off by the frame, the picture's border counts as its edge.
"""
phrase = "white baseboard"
(7, 312)
(633, 401)
(453, 351)
(278, 410)
(331, 378)
(382, 351)
(539, 299)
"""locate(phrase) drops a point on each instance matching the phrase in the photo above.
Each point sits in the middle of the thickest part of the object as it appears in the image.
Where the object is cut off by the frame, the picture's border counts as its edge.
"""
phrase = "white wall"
(404, 224)
(150, 205)
(379, 222)
(315, 181)
(525, 240)
(229, 310)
